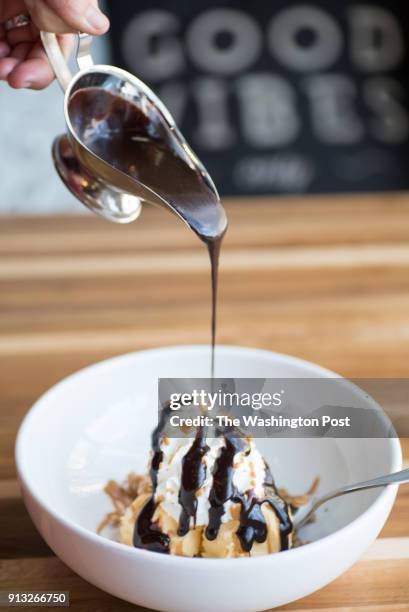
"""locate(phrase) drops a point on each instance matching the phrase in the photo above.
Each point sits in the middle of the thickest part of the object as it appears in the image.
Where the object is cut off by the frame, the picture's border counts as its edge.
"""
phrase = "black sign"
(279, 97)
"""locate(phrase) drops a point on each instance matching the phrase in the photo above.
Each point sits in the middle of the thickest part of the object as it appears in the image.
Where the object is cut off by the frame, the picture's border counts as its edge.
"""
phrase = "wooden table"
(323, 278)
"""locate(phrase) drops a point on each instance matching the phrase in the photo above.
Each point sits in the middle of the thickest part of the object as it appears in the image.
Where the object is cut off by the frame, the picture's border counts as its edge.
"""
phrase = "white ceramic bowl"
(96, 425)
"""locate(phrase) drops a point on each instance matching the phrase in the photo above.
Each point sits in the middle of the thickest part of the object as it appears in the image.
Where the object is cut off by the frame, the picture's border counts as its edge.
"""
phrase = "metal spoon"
(305, 512)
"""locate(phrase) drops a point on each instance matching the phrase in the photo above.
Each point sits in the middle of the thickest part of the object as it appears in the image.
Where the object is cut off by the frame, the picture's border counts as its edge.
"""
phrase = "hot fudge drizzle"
(193, 477)
(142, 146)
(252, 523)
(146, 533)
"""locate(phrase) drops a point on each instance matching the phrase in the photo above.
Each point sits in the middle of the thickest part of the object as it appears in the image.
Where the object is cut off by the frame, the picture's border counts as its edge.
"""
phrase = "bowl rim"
(385, 497)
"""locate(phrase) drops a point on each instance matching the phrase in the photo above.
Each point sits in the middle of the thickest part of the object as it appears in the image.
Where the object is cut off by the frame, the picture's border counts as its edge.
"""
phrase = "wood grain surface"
(326, 279)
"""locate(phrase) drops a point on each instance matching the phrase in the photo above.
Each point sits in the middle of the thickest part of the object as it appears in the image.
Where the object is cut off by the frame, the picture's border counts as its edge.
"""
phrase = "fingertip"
(31, 74)
(7, 65)
(97, 22)
(39, 84)
(16, 83)
(17, 80)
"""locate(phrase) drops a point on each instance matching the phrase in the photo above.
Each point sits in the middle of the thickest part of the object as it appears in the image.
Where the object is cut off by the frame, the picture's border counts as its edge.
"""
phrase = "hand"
(23, 62)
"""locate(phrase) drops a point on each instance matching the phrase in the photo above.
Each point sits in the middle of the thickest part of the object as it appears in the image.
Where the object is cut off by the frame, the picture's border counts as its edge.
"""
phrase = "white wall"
(29, 121)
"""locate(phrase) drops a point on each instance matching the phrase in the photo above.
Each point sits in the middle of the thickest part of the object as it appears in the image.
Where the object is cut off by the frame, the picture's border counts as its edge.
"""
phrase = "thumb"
(62, 16)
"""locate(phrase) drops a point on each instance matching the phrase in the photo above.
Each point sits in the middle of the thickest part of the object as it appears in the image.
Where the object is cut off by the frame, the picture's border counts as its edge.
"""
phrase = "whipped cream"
(249, 474)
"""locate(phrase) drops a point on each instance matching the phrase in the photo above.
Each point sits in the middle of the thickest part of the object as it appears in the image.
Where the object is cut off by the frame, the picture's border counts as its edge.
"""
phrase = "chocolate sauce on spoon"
(140, 143)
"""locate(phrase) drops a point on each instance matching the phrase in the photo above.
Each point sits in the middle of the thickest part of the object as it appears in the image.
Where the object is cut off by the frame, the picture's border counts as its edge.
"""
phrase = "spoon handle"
(382, 481)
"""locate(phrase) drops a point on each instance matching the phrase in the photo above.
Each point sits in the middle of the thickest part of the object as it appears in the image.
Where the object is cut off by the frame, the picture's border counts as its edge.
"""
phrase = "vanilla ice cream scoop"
(211, 497)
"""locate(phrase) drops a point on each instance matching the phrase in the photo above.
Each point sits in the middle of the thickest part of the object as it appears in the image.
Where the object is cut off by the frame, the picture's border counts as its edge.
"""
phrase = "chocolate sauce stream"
(222, 489)
(253, 526)
(142, 145)
(280, 507)
(146, 534)
(214, 247)
(193, 477)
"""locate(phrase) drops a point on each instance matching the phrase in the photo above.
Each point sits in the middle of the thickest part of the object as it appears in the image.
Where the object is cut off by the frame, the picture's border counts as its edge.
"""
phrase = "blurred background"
(282, 97)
